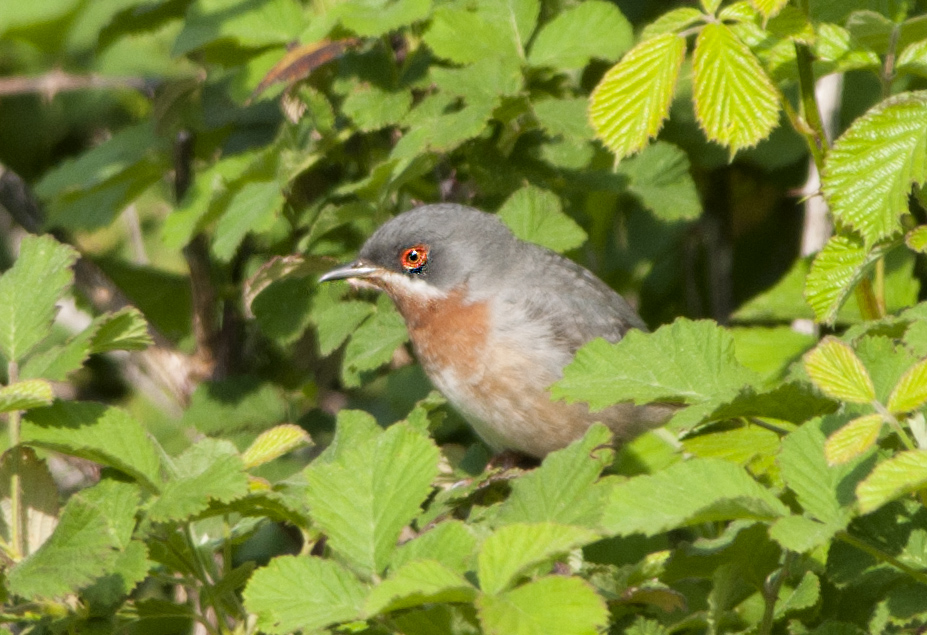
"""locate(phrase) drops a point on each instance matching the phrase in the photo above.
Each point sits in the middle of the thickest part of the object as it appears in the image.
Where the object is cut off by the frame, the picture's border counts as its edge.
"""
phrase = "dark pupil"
(412, 257)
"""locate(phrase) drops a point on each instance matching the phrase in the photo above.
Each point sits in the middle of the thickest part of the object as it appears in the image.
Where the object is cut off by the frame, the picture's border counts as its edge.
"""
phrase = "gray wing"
(574, 305)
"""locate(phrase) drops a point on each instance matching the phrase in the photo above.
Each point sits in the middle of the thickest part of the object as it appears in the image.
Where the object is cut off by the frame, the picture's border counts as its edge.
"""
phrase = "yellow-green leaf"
(24, 395)
(769, 8)
(631, 102)
(903, 473)
(735, 102)
(910, 393)
(838, 372)
(710, 6)
(274, 443)
(672, 22)
(868, 173)
(917, 239)
(853, 439)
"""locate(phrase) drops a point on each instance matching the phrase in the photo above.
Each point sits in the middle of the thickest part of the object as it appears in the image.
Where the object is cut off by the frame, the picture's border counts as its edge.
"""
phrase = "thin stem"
(818, 143)
(895, 425)
(771, 593)
(880, 286)
(16, 503)
(881, 556)
(206, 580)
(865, 297)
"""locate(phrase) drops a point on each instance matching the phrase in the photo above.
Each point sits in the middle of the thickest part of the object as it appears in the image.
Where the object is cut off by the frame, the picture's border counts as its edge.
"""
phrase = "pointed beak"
(356, 269)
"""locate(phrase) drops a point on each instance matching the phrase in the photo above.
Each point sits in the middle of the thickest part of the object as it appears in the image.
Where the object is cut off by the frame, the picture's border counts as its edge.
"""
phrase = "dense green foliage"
(267, 457)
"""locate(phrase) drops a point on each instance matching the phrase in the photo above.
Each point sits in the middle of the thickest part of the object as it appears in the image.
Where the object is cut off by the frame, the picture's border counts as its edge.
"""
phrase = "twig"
(59, 81)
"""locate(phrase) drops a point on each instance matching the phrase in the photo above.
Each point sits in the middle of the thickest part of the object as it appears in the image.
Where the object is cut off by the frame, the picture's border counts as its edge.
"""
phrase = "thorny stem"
(16, 511)
(881, 556)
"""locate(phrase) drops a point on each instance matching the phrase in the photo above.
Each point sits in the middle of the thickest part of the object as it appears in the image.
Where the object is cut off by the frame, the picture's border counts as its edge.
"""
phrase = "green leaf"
(82, 548)
(250, 23)
(537, 216)
(781, 302)
(253, 208)
(769, 8)
(365, 496)
(282, 309)
(130, 569)
(25, 395)
(685, 360)
(463, 36)
(563, 489)
(793, 401)
(29, 291)
(274, 443)
(38, 499)
(96, 432)
(659, 176)
(835, 272)
(209, 470)
(237, 403)
(736, 104)
(436, 124)
(672, 22)
(916, 239)
(302, 593)
(801, 534)
(513, 549)
(913, 59)
(373, 18)
(872, 30)
(374, 342)
(853, 439)
(632, 100)
(553, 605)
(823, 491)
(418, 582)
(372, 108)
(902, 474)
(869, 171)
(124, 330)
(450, 542)
(710, 6)
(336, 321)
(911, 391)
(837, 371)
(593, 29)
(482, 82)
(688, 493)
(566, 117)
(804, 596)
(769, 351)
(57, 362)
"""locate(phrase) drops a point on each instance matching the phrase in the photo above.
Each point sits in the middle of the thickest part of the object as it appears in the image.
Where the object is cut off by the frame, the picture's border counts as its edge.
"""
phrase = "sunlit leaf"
(911, 391)
(837, 371)
(903, 473)
(853, 439)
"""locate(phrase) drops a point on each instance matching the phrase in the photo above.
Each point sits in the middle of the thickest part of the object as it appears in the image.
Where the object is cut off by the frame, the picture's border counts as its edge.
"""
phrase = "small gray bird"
(494, 319)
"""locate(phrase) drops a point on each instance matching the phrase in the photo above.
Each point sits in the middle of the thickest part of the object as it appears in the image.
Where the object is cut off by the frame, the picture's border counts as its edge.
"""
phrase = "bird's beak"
(356, 269)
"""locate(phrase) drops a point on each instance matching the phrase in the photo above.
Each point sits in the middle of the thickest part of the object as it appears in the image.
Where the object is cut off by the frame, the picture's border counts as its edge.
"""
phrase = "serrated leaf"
(911, 391)
(274, 443)
(672, 22)
(38, 497)
(374, 342)
(81, 549)
(835, 272)
(593, 29)
(240, 402)
(823, 491)
(298, 592)
(124, 330)
(736, 104)
(372, 108)
(769, 8)
(803, 596)
(563, 489)
(566, 117)
(913, 59)
(537, 216)
(553, 605)
(482, 82)
(437, 125)
(209, 470)
(903, 473)
(686, 360)
(632, 100)
(801, 534)
(29, 291)
(372, 18)
(450, 542)
(282, 309)
(249, 24)
(57, 362)
(659, 176)
(837, 371)
(418, 582)
(130, 569)
(93, 431)
(853, 439)
(336, 321)
(253, 208)
(513, 549)
(463, 36)
(373, 487)
(869, 171)
(916, 239)
(25, 395)
(688, 493)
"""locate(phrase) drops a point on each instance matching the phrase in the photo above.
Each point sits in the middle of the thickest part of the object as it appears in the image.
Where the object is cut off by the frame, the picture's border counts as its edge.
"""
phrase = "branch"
(59, 81)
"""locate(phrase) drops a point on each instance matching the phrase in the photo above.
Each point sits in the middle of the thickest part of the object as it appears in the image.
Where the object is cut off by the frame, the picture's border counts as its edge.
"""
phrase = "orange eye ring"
(413, 258)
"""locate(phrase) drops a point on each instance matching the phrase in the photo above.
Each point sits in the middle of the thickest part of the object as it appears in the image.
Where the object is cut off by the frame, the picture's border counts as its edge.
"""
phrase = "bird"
(493, 321)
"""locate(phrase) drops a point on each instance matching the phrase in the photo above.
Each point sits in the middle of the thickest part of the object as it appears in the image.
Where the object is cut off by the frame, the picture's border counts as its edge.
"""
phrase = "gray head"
(443, 245)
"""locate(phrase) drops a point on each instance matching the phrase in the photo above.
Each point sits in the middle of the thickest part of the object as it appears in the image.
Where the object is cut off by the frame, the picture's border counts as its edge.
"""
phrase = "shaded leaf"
(38, 497)
(659, 176)
(253, 208)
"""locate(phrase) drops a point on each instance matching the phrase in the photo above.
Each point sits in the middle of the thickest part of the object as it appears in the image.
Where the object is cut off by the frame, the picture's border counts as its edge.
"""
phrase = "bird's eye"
(413, 259)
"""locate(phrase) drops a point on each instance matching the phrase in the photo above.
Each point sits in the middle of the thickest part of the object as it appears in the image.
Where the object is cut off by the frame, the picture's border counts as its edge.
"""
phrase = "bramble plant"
(267, 457)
